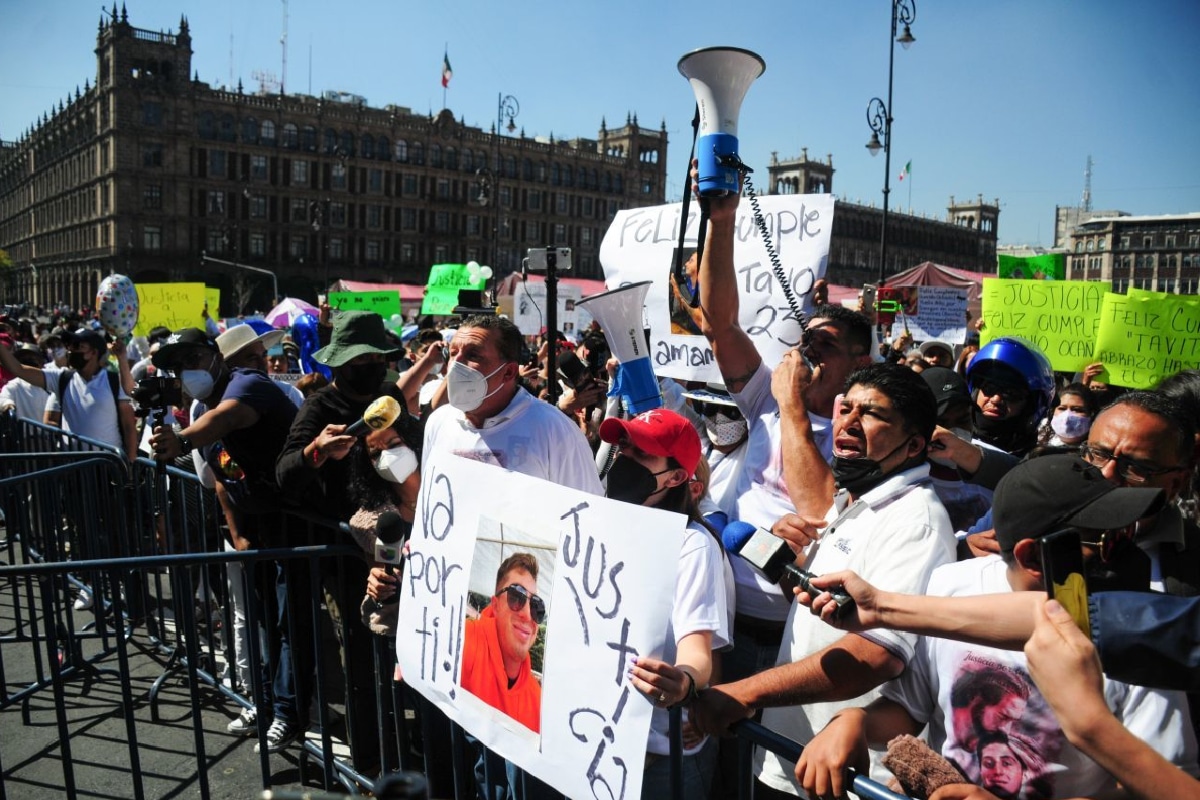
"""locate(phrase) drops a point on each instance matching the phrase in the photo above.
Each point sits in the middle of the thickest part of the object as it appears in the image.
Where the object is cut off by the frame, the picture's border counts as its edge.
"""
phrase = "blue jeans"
(697, 775)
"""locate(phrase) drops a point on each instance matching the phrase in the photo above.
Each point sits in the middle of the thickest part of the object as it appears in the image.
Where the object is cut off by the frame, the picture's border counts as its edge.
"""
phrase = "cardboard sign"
(1147, 336)
(1048, 267)
(212, 300)
(640, 246)
(385, 304)
(172, 305)
(441, 292)
(1060, 317)
(936, 312)
(601, 577)
(528, 310)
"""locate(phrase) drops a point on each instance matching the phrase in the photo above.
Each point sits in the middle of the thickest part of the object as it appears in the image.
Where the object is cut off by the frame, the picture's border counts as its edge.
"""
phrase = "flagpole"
(909, 176)
(445, 60)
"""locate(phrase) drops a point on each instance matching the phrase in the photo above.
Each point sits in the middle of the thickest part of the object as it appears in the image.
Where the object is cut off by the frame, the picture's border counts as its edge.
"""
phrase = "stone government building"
(147, 169)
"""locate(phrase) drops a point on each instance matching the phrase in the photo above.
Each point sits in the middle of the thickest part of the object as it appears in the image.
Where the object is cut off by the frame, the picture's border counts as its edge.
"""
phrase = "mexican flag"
(447, 73)
(904, 173)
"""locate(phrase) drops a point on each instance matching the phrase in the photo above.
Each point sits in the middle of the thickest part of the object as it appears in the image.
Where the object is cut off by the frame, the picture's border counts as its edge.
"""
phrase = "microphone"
(390, 533)
(382, 412)
(772, 556)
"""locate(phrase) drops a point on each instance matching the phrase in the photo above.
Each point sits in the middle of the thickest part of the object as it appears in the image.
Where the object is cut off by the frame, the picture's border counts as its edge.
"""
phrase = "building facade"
(965, 239)
(1156, 253)
(152, 173)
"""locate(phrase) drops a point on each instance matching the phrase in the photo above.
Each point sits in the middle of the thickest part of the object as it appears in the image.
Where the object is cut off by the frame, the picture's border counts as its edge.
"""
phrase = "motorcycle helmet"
(1008, 358)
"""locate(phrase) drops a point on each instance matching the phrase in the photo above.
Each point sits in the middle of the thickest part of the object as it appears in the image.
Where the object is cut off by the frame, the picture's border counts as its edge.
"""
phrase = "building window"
(216, 203)
(408, 253)
(435, 155)
(443, 189)
(473, 225)
(297, 246)
(217, 164)
(216, 242)
(152, 196)
(300, 173)
(401, 151)
(299, 210)
(441, 221)
(560, 203)
(440, 254)
(258, 168)
(1101, 244)
(416, 153)
(408, 219)
(368, 146)
(374, 216)
(1193, 240)
(347, 143)
(152, 155)
(290, 138)
(409, 185)
(206, 125)
(384, 148)
(337, 249)
(534, 200)
(506, 197)
(152, 113)
(451, 158)
(375, 181)
(337, 176)
(258, 245)
(1147, 242)
(152, 238)
(373, 251)
(337, 214)
(560, 234)
(585, 237)
(588, 207)
(267, 132)
(1091, 245)
(258, 207)
(308, 138)
(250, 130)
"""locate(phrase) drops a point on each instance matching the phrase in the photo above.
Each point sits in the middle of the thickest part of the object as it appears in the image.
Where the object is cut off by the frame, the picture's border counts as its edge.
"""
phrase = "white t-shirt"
(88, 409)
(726, 472)
(762, 495)
(893, 536)
(529, 436)
(29, 401)
(980, 705)
(700, 604)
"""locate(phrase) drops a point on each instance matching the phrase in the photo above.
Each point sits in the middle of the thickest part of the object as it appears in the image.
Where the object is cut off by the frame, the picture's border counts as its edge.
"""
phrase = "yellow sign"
(212, 299)
(172, 305)
(1060, 317)
(1147, 336)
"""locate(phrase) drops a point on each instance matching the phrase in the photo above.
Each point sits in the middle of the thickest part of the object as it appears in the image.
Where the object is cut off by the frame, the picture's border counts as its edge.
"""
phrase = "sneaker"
(245, 724)
(84, 601)
(279, 736)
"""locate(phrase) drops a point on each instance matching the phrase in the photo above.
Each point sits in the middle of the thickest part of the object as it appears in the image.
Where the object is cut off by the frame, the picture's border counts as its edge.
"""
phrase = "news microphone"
(390, 532)
(772, 556)
(382, 412)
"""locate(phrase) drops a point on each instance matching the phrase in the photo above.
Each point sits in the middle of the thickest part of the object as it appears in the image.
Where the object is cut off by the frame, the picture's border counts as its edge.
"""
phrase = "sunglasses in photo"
(1012, 394)
(709, 409)
(1107, 542)
(517, 596)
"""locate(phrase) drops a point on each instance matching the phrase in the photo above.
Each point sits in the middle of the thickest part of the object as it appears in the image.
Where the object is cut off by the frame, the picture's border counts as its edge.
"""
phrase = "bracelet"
(316, 457)
(691, 695)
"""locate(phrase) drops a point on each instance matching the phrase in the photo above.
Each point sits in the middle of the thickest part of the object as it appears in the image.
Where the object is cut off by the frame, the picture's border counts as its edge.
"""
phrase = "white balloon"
(485, 272)
(472, 266)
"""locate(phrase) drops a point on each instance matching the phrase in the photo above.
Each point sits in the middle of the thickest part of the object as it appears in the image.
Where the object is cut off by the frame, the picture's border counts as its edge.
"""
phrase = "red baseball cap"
(658, 432)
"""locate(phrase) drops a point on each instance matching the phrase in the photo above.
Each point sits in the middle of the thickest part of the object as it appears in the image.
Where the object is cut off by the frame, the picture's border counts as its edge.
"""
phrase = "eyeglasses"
(518, 596)
(1011, 394)
(1129, 469)
(710, 409)
(1107, 542)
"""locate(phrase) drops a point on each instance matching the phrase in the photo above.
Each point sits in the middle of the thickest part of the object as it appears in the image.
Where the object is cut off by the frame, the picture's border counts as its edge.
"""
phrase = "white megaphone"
(619, 312)
(720, 77)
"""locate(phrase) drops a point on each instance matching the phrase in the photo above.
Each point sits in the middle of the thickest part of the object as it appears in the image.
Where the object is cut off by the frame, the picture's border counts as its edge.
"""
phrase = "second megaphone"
(720, 77)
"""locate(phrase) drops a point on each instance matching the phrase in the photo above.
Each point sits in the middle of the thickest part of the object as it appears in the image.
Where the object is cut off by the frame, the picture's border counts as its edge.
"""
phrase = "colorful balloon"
(117, 305)
(304, 333)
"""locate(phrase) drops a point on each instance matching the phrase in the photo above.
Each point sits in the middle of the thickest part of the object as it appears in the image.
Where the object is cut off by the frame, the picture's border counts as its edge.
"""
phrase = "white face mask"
(724, 431)
(58, 353)
(396, 463)
(1071, 424)
(198, 383)
(436, 370)
(467, 386)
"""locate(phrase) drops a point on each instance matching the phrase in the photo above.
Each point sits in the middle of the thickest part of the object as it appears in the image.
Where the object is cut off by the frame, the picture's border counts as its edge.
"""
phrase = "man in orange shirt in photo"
(496, 664)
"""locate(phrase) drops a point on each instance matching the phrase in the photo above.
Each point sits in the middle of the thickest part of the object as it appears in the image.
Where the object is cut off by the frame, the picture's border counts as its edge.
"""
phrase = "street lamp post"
(486, 180)
(508, 108)
(879, 117)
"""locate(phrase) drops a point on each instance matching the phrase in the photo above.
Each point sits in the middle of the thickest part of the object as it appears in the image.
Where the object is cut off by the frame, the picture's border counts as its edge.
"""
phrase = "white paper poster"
(932, 312)
(607, 596)
(529, 309)
(640, 245)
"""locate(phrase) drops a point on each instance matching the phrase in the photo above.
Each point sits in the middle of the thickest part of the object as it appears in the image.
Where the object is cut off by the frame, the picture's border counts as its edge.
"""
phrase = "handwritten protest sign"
(385, 304)
(172, 305)
(1060, 317)
(640, 245)
(212, 300)
(941, 313)
(528, 308)
(1046, 267)
(441, 291)
(610, 599)
(1146, 336)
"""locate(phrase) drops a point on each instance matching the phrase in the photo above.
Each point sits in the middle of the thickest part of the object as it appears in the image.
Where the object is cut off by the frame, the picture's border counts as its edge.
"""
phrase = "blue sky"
(1004, 99)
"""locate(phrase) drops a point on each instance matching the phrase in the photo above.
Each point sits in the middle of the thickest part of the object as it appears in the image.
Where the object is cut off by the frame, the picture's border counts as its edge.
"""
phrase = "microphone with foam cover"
(390, 533)
(382, 412)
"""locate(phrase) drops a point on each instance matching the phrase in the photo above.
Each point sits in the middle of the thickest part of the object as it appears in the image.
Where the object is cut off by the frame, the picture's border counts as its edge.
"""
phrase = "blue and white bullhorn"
(720, 77)
(619, 312)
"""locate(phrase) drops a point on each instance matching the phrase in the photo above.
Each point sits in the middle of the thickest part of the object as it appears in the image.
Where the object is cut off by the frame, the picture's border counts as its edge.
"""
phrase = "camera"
(538, 259)
(157, 394)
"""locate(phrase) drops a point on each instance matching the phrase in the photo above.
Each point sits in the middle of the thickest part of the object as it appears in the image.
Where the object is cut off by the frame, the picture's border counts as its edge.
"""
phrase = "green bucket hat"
(355, 333)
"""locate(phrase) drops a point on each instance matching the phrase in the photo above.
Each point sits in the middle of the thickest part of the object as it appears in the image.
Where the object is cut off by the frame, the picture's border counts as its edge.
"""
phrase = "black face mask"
(1013, 434)
(860, 475)
(77, 360)
(631, 482)
(362, 379)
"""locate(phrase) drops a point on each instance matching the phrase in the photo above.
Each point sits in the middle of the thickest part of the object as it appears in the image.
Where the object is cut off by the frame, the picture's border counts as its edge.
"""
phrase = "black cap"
(1046, 494)
(178, 343)
(948, 387)
(95, 339)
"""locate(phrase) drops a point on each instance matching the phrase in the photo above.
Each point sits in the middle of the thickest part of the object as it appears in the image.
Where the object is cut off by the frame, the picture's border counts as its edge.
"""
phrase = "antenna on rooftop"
(1087, 186)
(283, 44)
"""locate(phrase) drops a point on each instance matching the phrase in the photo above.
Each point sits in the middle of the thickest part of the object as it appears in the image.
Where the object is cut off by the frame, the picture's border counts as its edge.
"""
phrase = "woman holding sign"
(659, 453)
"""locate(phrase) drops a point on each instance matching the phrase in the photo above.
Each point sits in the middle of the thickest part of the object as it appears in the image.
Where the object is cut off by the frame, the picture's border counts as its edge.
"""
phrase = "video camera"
(156, 394)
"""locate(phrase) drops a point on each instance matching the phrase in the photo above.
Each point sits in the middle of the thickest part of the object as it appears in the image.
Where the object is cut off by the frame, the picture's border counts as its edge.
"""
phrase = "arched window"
(555, 175)
(228, 128)
(416, 153)
(206, 127)
(368, 146)
(583, 173)
(608, 182)
(308, 138)
(347, 143)
(451, 158)
(526, 169)
(568, 176)
(330, 143)
(250, 130)
(383, 148)
(401, 151)
(290, 137)
(467, 160)
(593, 181)
(510, 167)
(541, 171)
(267, 132)
(435, 155)
(619, 185)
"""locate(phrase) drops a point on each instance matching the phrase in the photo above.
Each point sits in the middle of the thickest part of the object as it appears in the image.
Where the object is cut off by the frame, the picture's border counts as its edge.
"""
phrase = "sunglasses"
(518, 596)
(1107, 542)
(709, 409)
(1011, 394)
(1129, 469)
